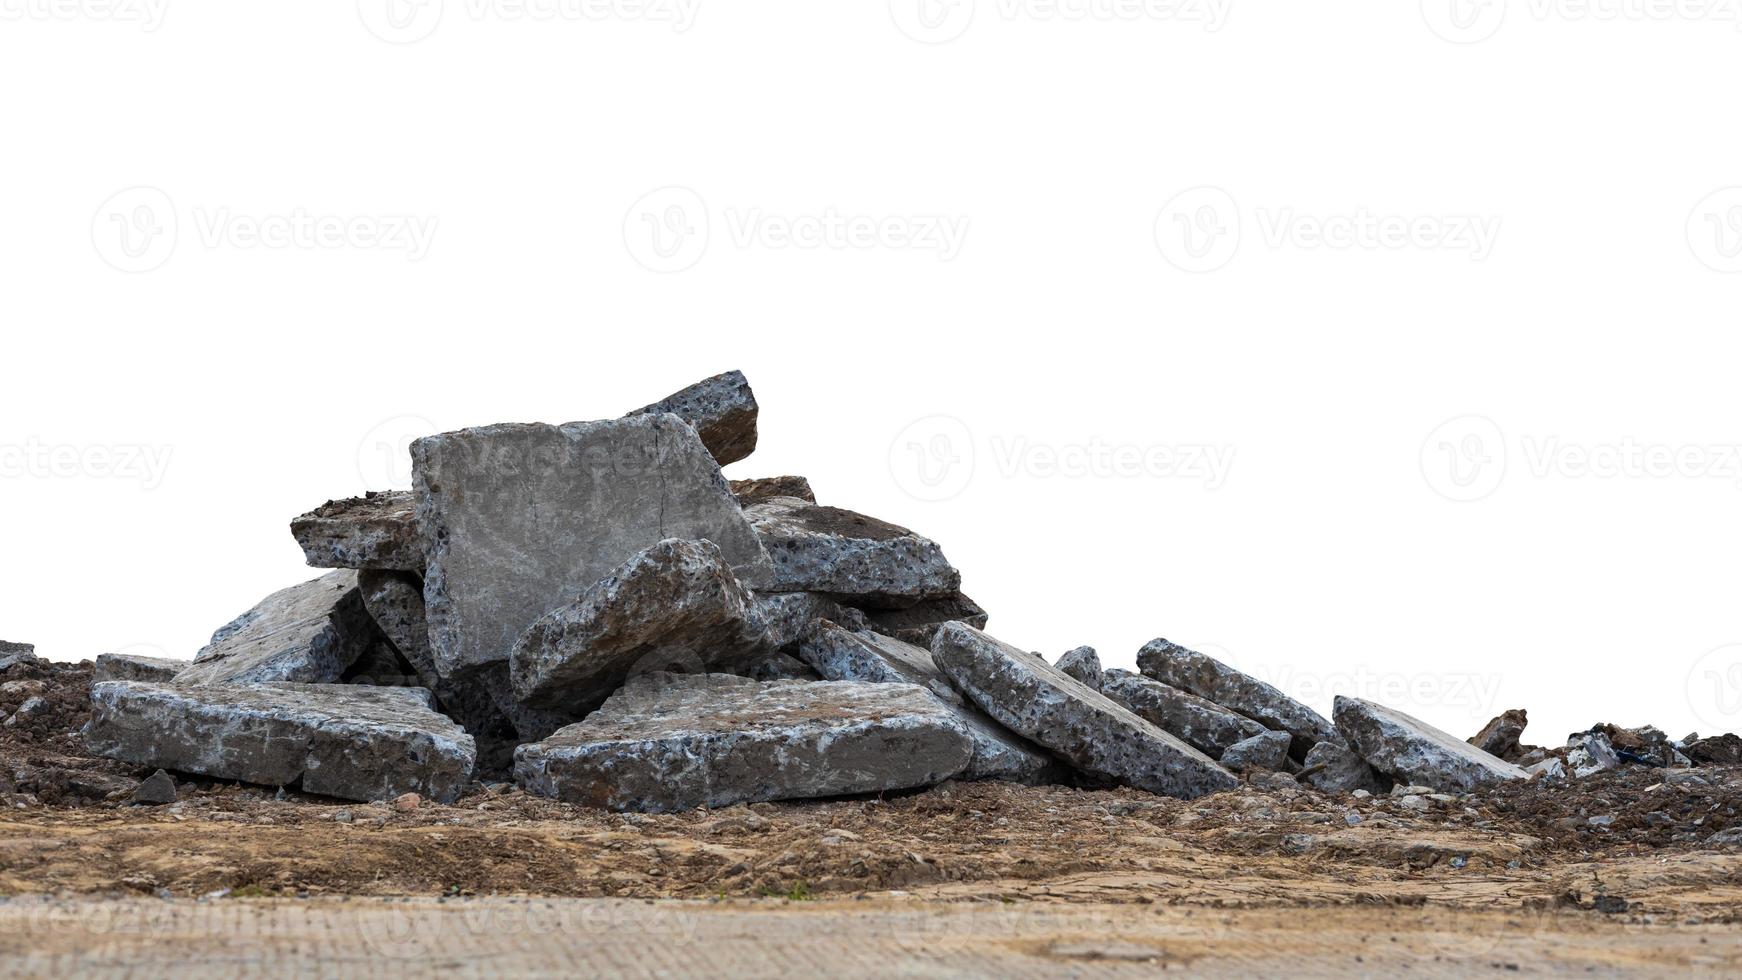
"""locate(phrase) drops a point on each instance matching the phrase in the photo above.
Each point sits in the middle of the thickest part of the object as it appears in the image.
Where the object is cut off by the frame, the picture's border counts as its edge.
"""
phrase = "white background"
(1339, 553)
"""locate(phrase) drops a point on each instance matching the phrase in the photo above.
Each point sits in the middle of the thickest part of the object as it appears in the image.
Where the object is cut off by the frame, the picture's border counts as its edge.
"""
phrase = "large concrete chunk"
(358, 743)
(764, 488)
(520, 519)
(674, 607)
(722, 409)
(1207, 727)
(917, 624)
(839, 654)
(132, 667)
(859, 560)
(667, 742)
(1332, 767)
(374, 531)
(1060, 713)
(1412, 751)
(1215, 681)
(1266, 752)
(306, 634)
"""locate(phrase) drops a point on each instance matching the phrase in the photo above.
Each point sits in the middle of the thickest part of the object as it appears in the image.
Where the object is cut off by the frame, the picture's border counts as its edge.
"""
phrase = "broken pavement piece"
(673, 607)
(1332, 767)
(917, 624)
(789, 616)
(839, 654)
(1209, 728)
(858, 560)
(1412, 751)
(1083, 664)
(378, 530)
(1266, 752)
(1215, 681)
(1073, 721)
(357, 743)
(132, 667)
(722, 409)
(1589, 753)
(520, 519)
(763, 488)
(665, 743)
(1500, 737)
(16, 653)
(157, 789)
(307, 634)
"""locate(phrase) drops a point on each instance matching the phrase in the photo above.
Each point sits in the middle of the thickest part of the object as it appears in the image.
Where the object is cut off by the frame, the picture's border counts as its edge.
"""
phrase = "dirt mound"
(43, 759)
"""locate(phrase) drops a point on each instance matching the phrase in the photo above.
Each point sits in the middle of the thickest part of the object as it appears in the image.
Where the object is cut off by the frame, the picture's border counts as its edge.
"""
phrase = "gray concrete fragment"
(1073, 721)
(378, 530)
(359, 743)
(16, 653)
(156, 790)
(1500, 736)
(665, 743)
(917, 624)
(839, 654)
(673, 607)
(859, 560)
(763, 488)
(1413, 751)
(519, 519)
(306, 634)
(1589, 753)
(1267, 752)
(1332, 767)
(1209, 728)
(132, 667)
(1083, 664)
(1215, 681)
(723, 411)
(788, 616)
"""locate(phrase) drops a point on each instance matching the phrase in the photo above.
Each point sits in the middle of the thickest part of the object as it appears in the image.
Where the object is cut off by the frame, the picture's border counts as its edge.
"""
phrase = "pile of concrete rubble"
(594, 609)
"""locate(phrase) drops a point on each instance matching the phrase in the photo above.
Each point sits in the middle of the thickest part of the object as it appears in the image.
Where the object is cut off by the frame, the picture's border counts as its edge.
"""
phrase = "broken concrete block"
(16, 653)
(1550, 768)
(1083, 664)
(917, 624)
(839, 654)
(306, 634)
(358, 743)
(1499, 738)
(1716, 750)
(1589, 753)
(1215, 681)
(1332, 767)
(673, 607)
(788, 616)
(1073, 721)
(756, 491)
(1267, 752)
(1415, 752)
(520, 519)
(378, 530)
(858, 560)
(722, 410)
(132, 667)
(156, 790)
(1207, 727)
(665, 743)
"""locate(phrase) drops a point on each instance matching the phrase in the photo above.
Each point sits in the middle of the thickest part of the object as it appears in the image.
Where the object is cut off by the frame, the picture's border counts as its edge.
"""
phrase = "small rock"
(1717, 750)
(1268, 752)
(1550, 768)
(1333, 768)
(25, 688)
(158, 789)
(407, 802)
(343, 816)
(1083, 664)
(756, 491)
(1726, 838)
